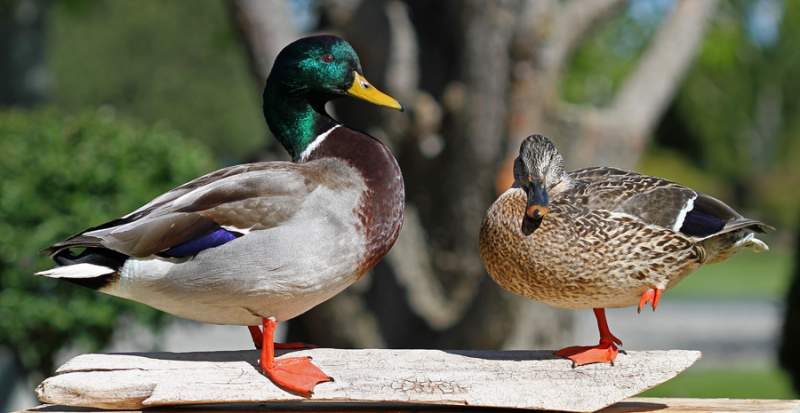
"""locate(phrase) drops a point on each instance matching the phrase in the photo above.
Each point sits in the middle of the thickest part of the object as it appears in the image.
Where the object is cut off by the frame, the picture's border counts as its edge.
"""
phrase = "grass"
(765, 383)
(745, 275)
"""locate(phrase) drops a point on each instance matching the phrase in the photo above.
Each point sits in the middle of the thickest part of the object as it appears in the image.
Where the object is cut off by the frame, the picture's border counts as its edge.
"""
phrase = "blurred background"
(105, 104)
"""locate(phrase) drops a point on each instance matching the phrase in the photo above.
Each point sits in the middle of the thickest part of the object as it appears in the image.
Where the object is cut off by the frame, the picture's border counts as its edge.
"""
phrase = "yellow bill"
(363, 90)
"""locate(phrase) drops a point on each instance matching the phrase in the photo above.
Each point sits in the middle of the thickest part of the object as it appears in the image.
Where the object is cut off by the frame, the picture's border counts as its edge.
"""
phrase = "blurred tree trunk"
(265, 27)
(477, 77)
(23, 74)
(788, 356)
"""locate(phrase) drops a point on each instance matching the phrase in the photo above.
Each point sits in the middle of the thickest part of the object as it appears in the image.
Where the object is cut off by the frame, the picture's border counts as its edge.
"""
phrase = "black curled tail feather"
(98, 256)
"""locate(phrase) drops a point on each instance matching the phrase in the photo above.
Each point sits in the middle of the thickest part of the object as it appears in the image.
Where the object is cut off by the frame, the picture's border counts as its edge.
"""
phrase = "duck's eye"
(327, 58)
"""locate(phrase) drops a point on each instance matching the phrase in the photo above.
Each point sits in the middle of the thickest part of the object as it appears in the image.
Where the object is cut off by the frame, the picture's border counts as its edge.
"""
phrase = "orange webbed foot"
(605, 352)
(296, 375)
(652, 295)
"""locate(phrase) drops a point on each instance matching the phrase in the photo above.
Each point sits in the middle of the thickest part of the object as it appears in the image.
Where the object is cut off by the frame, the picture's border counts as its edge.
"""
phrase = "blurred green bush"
(59, 175)
(179, 62)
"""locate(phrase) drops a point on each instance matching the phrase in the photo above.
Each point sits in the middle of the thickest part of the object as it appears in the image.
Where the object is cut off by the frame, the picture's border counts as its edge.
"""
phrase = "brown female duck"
(602, 237)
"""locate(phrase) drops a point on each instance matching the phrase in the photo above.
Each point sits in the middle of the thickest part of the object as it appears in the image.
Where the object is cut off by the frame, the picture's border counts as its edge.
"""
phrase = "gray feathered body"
(276, 271)
(305, 231)
(609, 236)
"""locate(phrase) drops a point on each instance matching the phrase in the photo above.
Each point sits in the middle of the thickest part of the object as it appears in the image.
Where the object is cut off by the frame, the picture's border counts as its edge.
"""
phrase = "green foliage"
(761, 383)
(718, 99)
(59, 175)
(601, 63)
(673, 166)
(741, 101)
(179, 62)
(738, 111)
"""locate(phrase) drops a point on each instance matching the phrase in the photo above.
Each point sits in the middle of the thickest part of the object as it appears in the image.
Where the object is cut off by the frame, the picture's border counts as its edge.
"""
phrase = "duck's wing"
(223, 204)
(657, 201)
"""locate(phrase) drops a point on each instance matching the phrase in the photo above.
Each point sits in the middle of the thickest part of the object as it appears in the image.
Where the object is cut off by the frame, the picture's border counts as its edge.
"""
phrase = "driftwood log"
(509, 379)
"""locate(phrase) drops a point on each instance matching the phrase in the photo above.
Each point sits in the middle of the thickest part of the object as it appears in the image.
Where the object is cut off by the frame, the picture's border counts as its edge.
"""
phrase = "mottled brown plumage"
(579, 257)
(607, 236)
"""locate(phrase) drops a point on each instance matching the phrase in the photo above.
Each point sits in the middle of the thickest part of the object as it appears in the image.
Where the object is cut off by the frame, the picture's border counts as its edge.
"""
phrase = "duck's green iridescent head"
(312, 71)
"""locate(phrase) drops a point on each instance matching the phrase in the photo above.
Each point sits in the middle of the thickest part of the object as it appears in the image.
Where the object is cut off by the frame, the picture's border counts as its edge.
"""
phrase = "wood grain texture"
(637, 404)
(510, 379)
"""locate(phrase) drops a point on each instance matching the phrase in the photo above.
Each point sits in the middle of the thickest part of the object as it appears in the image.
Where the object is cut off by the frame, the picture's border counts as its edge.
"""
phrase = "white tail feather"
(751, 242)
(77, 271)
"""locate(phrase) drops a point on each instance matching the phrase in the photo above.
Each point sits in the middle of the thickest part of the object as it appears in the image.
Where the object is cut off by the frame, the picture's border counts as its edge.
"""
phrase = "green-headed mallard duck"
(602, 237)
(264, 242)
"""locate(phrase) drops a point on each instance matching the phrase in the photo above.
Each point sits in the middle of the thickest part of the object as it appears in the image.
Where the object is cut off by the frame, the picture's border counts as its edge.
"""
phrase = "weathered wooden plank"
(511, 379)
(633, 405)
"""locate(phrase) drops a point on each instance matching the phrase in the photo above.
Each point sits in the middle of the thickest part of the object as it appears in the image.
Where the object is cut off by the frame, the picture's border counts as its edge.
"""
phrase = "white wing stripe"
(682, 215)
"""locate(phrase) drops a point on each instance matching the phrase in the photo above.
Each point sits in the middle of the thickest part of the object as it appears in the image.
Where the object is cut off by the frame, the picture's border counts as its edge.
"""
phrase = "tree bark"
(24, 79)
(788, 356)
(266, 27)
(617, 134)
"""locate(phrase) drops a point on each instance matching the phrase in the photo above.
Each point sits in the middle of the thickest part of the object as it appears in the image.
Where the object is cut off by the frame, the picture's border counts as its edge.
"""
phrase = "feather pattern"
(194, 246)
(700, 224)
(179, 259)
(257, 240)
(255, 196)
(653, 200)
(609, 235)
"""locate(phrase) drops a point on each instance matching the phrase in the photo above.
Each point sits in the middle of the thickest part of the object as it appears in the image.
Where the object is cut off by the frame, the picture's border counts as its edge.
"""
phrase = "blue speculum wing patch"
(194, 246)
(701, 224)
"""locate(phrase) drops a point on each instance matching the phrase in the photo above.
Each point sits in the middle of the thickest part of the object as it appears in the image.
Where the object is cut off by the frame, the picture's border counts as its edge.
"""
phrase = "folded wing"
(203, 213)
(658, 201)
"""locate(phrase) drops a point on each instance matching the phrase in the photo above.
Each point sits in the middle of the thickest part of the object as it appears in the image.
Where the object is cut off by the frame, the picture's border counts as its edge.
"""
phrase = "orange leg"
(653, 295)
(294, 374)
(255, 334)
(604, 352)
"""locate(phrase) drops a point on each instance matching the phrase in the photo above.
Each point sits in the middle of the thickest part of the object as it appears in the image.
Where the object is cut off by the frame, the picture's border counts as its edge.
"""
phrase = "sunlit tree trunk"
(788, 354)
